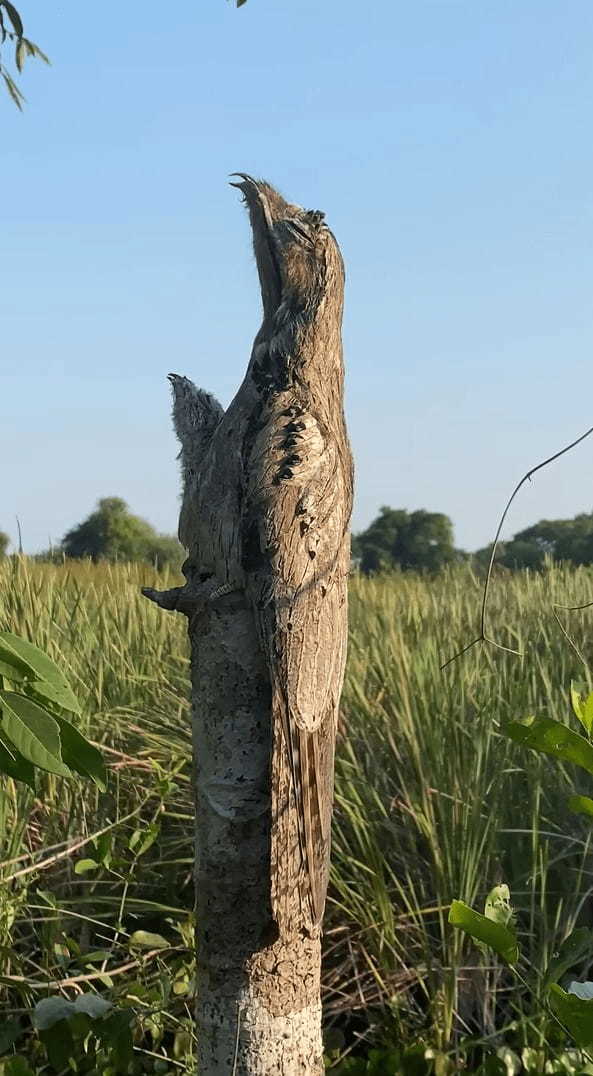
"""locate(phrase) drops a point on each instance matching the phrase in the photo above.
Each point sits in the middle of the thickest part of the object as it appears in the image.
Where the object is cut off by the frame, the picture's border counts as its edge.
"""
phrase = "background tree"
(4, 544)
(111, 532)
(11, 30)
(569, 540)
(420, 541)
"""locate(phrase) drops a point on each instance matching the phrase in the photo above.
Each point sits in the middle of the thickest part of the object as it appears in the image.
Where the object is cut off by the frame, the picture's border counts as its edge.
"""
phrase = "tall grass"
(432, 802)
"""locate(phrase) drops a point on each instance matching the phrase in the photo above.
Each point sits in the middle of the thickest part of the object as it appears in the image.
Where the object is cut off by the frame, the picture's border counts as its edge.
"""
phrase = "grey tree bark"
(265, 518)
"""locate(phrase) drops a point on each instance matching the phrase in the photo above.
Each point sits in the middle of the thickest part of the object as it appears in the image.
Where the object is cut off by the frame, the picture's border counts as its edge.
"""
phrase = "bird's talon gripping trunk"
(265, 518)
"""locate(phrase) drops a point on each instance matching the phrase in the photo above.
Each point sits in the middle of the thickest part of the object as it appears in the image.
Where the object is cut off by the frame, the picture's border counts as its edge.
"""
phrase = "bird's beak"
(255, 194)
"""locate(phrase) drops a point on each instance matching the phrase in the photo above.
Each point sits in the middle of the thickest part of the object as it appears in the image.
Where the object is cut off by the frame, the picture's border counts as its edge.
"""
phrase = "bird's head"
(298, 259)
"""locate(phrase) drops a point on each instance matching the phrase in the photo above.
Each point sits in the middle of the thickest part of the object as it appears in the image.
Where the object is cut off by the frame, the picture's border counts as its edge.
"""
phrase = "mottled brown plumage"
(270, 511)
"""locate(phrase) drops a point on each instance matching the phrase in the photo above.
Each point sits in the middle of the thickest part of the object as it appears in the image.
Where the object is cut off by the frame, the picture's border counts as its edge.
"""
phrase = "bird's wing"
(296, 556)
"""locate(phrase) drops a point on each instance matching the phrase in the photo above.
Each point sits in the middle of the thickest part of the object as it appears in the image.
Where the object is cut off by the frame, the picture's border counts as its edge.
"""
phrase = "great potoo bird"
(269, 516)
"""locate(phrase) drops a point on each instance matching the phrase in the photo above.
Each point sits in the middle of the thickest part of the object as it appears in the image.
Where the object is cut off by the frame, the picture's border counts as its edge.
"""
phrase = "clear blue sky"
(449, 144)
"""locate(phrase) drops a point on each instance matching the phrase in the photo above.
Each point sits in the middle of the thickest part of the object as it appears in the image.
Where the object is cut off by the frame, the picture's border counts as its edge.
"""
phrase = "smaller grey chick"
(196, 414)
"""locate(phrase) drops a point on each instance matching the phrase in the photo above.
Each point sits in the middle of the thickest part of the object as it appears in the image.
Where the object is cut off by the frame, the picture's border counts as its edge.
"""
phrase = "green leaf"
(104, 844)
(17, 97)
(145, 940)
(16, 1066)
(21, 652)
(58, 694)
(493, 1066)
(34, 50)
(61, 953)
(49, 1011)
(575, 947)
(580, 805)
(115, 1033)
(575, 1014)
(552, 738)
(10, 1032)
(80, 755)
(59, 1043)
(533, 1060)
(510, 1060)
(14, 17)
(12, 763)
(582, 703)
(13, 672)
(92, 1005)
(33, 731)
(494, 935)
(20, 53)
(97, 956)
(84, 865)
(143, 839)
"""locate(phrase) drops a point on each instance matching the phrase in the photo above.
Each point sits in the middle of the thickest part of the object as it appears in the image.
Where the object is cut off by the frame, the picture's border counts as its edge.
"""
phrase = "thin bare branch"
(482, 637)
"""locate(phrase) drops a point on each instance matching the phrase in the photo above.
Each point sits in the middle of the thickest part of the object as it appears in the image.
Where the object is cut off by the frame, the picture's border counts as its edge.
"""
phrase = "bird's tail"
(302, 797)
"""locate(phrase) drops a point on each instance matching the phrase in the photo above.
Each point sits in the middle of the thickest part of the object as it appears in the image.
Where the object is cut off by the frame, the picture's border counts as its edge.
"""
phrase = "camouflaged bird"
(266, 510)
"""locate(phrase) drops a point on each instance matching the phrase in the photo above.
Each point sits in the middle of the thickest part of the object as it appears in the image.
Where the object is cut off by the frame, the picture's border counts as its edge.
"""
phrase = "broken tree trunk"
(265, 518)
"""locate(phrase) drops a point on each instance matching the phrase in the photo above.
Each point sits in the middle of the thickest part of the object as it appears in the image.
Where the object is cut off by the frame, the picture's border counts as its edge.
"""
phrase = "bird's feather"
(297, 502)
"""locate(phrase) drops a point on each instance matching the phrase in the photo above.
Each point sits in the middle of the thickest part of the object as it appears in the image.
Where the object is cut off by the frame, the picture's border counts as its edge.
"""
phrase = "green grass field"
(432, 803)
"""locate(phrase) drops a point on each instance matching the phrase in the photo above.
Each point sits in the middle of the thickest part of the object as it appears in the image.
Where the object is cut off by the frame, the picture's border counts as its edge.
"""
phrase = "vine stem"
(483, 637)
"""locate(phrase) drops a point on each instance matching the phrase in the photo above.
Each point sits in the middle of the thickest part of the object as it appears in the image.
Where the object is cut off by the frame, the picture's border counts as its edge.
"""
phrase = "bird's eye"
(300, 232)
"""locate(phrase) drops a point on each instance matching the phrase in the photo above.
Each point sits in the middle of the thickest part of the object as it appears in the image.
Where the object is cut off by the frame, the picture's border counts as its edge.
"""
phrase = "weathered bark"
(253, 988)
(267, 499)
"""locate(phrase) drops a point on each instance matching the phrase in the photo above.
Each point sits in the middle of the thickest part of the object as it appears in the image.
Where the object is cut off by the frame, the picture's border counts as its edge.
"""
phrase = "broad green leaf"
(12, 763)
(15, 650)
(96, 957)
(10, 1032)
(582, 703)
(92, 1005)
(33, 731)
(574, 948)
(15, 672)
(580, 805)
(58, 694)
(80, 755)
(552, 738)
(84, 865)
(59, 1043)
(145, 940)
(115, 1033)
(494, 935)
(49, 1011)
(575, 1014)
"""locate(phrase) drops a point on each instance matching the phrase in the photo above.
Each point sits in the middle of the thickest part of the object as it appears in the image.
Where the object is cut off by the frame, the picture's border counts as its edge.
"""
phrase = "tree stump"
(265, 519)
